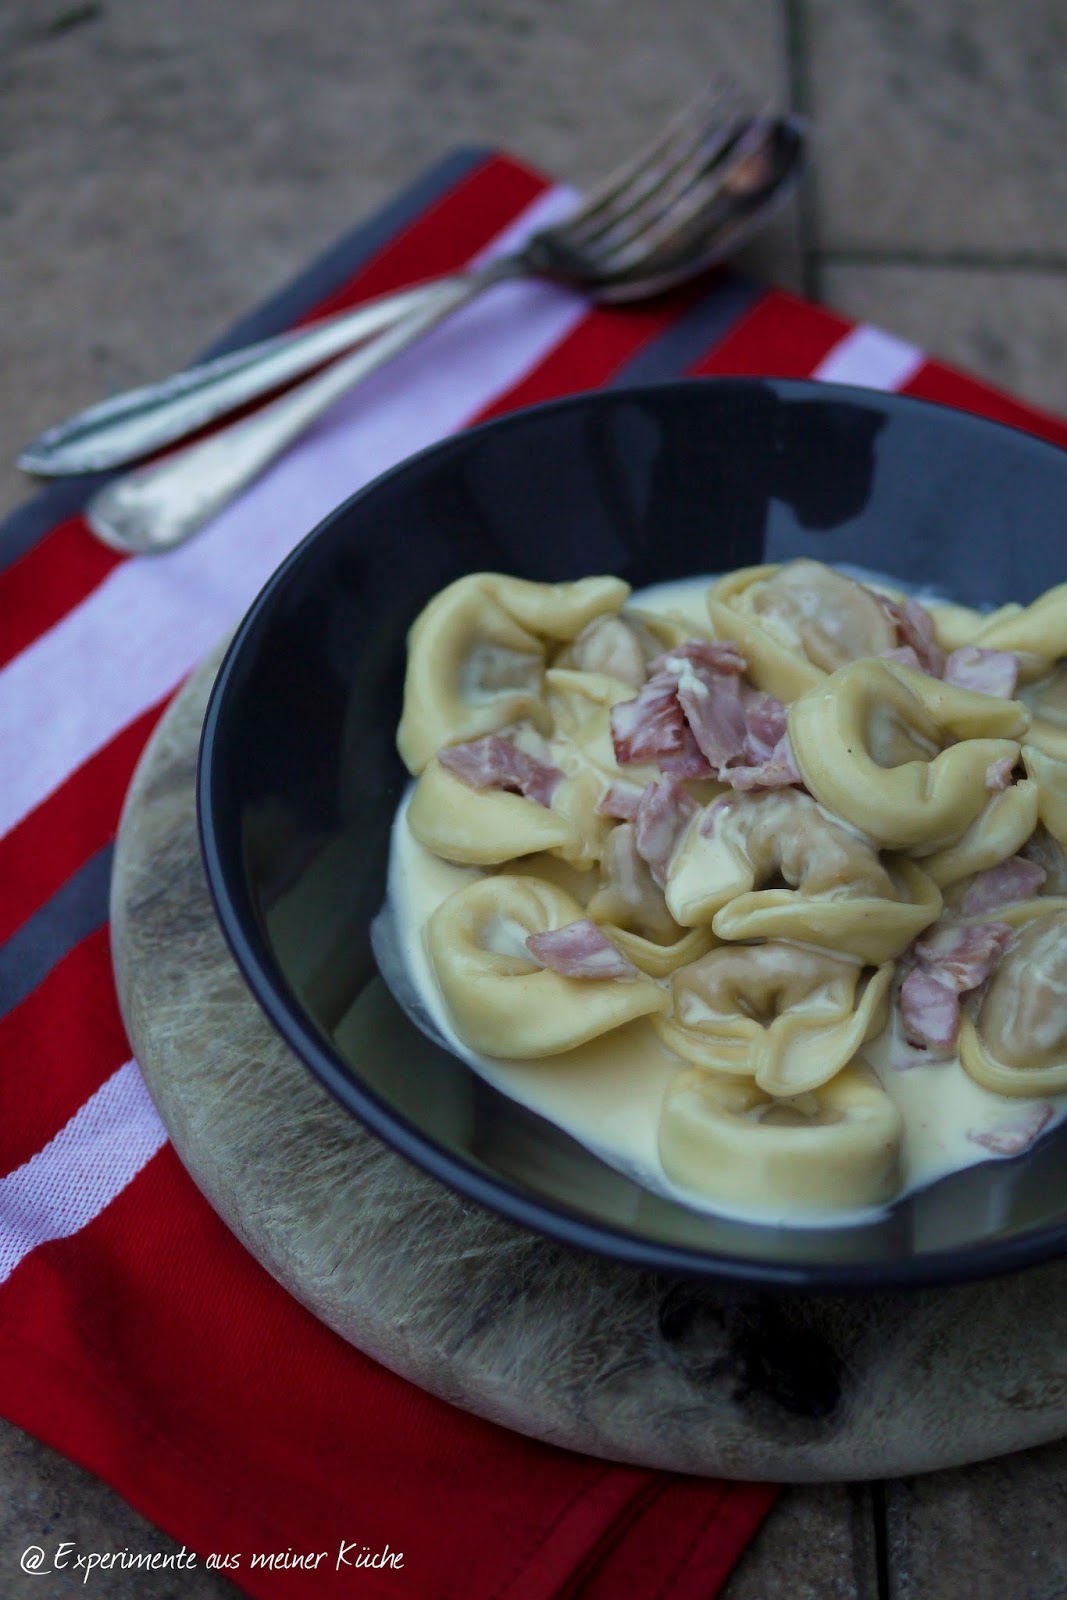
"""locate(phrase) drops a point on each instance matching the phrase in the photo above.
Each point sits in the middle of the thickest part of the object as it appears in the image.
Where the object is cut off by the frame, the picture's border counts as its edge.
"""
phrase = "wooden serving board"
(570, 1348)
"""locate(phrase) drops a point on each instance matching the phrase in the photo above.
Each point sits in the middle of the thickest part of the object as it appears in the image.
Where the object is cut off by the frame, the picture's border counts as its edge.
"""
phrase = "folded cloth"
(136, 1335)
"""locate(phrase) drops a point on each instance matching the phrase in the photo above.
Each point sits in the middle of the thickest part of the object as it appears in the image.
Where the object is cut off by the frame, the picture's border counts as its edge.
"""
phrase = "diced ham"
(998, 773)
(918, 631)
(930, 1009)
(653, 727)
(1014, 879)
(779, 771)
(902, 1056)
(987, 671)
(713, 655)
(966, 953)
(993, 672)
(620, 800)
(650, 726)
(580, 950)
(695, 716)
(497, 763)
(915, 629)
(689, 762)
(765, 722)
(1012, 1138)
(715, 715)
(663, 813)
(904, 656)
(713, 813)
(948, 962)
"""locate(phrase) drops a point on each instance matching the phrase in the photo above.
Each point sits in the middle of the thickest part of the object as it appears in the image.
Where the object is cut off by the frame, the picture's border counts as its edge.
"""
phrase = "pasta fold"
(501, 1001)
(730, 864)
(1036, 633)
(1014, 1042)
(796, 622)
(835, 1148)
(870, 745)
(622, 647)
(476, 655)
(1047, 700)
(788, 1017)
(481, 827)
(1002, 827)
(1049, 778)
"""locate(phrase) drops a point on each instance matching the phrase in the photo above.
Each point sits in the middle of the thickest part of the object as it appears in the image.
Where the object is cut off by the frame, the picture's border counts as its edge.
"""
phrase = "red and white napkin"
(136, 1335)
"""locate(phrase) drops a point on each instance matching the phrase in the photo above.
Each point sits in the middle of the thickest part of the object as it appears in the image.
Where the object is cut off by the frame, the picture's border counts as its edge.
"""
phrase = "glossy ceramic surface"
(299, 777)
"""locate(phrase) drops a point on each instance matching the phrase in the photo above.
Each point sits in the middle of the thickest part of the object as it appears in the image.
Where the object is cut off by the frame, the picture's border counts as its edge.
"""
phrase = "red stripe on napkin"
(679, 1548)
(77, 819)
(780, 337)
(47, 1072)
(598, 348)
(49, 579)
(446, 236)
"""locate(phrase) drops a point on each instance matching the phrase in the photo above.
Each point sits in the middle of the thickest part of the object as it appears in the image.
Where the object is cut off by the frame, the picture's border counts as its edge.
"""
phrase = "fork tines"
(706, 120)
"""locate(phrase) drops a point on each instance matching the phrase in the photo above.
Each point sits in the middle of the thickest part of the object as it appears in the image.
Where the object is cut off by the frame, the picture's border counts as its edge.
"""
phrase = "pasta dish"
(754, 884)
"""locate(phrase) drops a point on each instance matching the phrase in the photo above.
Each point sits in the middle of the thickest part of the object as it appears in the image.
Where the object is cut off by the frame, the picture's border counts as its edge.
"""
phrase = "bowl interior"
(300, 779)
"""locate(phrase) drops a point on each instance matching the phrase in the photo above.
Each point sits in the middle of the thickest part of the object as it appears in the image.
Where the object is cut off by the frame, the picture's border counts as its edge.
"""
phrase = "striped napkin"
(136, 1335)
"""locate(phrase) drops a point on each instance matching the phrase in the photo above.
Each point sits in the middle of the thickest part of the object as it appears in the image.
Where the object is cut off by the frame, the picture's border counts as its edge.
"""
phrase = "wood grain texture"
(627, 1365)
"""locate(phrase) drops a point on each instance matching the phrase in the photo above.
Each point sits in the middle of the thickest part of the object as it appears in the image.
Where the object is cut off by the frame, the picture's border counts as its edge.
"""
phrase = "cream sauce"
(608, 1093)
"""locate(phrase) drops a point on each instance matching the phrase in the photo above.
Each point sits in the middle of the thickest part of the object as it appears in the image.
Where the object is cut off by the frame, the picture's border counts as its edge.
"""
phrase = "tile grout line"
(869, 1545)
(879, 1511)
(794, 29)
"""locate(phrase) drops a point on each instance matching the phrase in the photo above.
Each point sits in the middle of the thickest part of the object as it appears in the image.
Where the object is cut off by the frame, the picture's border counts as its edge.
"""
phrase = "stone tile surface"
(47, 1500)
(992, 1532)
(1007, 326)
(817, 1544)
(939, 124)
(165, 166)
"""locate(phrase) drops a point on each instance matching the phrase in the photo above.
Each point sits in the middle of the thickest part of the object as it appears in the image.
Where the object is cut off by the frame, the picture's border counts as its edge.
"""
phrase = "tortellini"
(835, 891)
(1015, 1043)
(899, 754)
(1049, 780)
(480, 828)
(621, 647)
(788, 1017)
(501, 1001)
(784, 851)
(798, 622)
(1036, 635)
(1004, 824)
(832, 1148)
(1047, 702)
(630, 906)
(476, 655)
(580, 705)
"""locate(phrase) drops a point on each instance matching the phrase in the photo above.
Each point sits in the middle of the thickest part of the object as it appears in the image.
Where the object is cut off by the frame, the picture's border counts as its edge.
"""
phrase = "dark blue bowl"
(299, 777)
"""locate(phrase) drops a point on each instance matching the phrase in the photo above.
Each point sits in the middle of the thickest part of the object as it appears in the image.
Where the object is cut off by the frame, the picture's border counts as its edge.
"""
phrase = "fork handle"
(160, 505)
(128, 426)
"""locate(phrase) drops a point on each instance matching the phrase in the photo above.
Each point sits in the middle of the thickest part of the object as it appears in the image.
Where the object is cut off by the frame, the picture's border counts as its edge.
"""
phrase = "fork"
(124, 427)
(681, 204)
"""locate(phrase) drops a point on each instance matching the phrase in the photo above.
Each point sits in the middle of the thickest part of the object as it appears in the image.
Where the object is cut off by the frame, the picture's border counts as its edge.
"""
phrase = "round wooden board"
(570, 1348)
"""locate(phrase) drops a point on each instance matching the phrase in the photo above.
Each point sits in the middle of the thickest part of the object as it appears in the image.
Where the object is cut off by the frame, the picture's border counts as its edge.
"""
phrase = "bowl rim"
(544, 1216)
